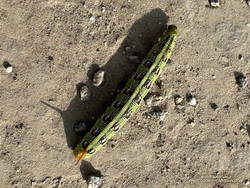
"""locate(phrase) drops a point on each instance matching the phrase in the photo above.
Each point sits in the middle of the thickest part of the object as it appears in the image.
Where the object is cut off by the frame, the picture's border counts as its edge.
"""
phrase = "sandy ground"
(196, 146)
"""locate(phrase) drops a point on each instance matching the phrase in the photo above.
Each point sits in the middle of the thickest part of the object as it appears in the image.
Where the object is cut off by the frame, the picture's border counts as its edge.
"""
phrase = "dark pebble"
(50, 58)
(214, 106)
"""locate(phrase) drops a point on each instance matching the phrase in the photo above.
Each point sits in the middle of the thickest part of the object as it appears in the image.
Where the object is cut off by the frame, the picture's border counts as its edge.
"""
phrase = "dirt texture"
(56, 46)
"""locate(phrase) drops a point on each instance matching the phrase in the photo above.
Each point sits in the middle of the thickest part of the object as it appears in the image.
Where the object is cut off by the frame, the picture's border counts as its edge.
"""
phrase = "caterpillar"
(128, 101)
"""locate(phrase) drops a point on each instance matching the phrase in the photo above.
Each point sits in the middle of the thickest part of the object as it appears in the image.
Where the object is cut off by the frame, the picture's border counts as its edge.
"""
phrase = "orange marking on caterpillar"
(83, 154)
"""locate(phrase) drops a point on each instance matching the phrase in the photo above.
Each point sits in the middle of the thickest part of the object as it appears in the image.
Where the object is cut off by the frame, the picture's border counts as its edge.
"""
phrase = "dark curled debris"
(240, 79)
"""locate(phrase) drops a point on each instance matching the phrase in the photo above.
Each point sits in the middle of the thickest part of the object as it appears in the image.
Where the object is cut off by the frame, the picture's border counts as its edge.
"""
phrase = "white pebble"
(94, 181)
(148, 101)
(247, 182)
(9, 69)
(162, 116)
(225, 59)
(18, 170)
(7, 66)
(191, 100)
(215, 3)
(242, 129)
(192, 124)
(98, 78)
(178, 100)
(92, 19)
(103, 9)
(241, 58)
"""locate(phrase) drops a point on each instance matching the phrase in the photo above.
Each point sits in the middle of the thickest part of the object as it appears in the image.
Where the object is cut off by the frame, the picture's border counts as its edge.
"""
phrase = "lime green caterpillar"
(129, 100)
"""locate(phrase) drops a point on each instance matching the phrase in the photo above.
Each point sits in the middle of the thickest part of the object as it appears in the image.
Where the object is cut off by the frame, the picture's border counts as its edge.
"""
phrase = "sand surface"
(54, 45)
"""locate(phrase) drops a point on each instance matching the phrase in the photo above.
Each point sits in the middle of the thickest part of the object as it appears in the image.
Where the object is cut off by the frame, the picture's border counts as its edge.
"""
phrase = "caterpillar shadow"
(142, 35)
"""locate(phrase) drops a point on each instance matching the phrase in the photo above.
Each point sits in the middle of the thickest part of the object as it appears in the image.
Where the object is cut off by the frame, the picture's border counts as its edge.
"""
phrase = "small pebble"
(50, 58)
(178, 100)
(103, 9)
(248, 2)
(160, 83)
(9, 70)
(192, 124)
(94, 181)
(98, 78)
(241, 80)
(92, 19)
(238, 106)
(156, 113)
(84, 93)
(7, 66)
(214, 106)
(160, 115)
(242, 128)
(215, 3)
(14, 76)
(80, 126)
(148, 100)
(248, 24)
(191, 100)
(246, 182)
(225, 59)
(240, 57)
(18, 170)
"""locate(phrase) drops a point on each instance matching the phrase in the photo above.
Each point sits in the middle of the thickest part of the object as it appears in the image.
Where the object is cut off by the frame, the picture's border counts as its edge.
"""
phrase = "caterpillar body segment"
(129, 100)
